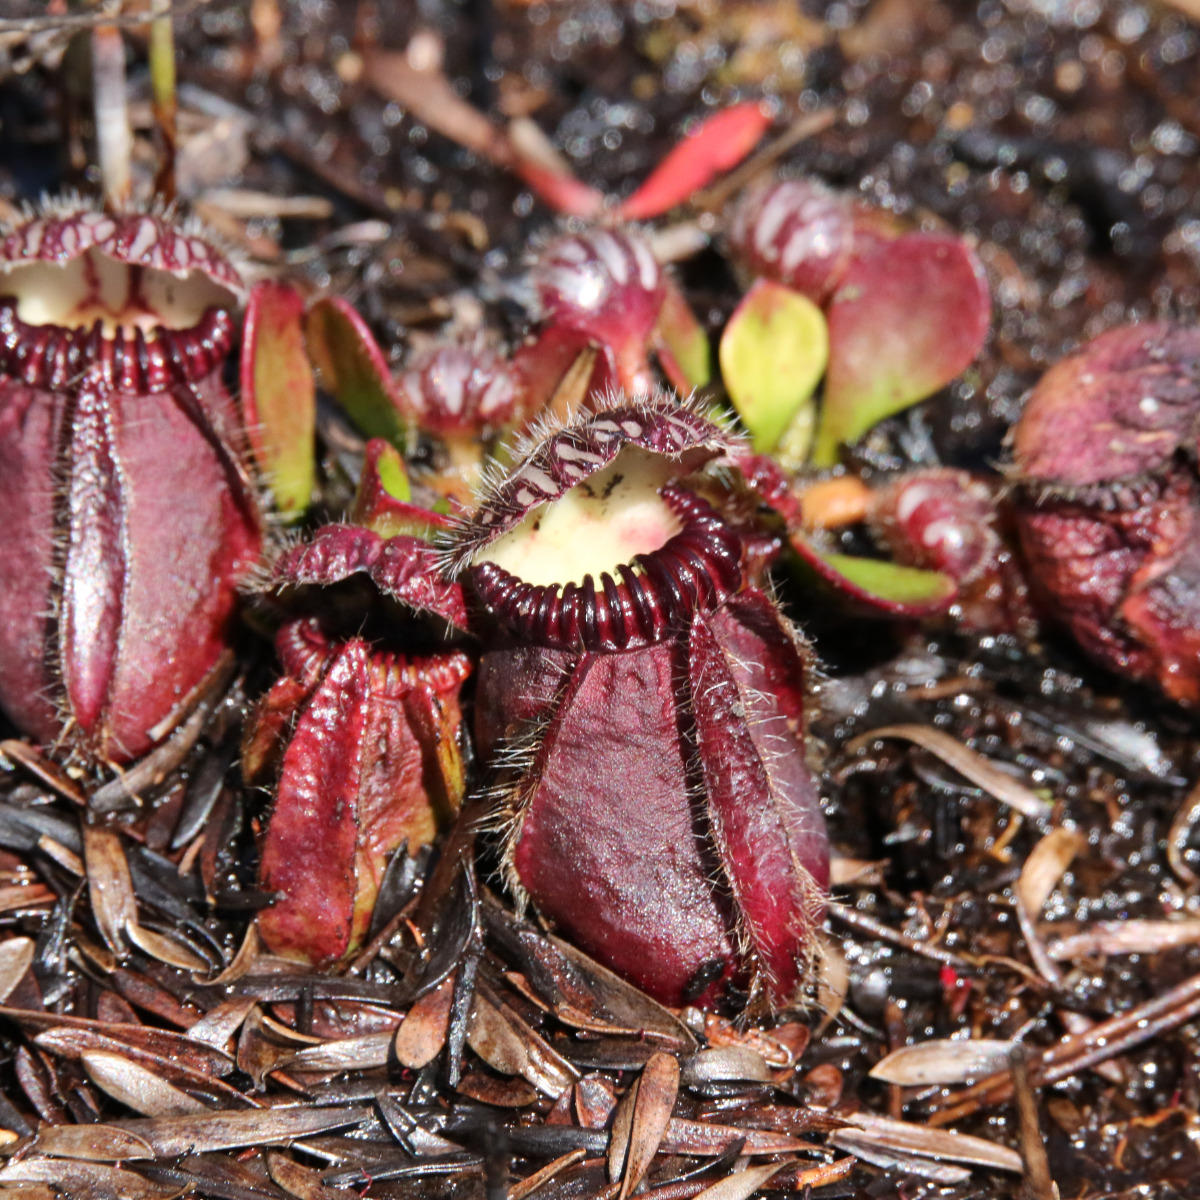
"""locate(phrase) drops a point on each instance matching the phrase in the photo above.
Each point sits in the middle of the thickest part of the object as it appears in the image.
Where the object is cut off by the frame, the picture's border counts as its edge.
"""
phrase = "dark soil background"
(1060, 135)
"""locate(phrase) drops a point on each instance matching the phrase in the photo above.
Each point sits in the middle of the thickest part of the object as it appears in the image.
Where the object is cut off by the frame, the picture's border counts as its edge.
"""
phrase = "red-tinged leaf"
(716, 145)
(562, 192)
(383, 500)
(266, 729)
(681, 342)
(906, 320)
(764, 808)
(606, 844)
(880, 588)
(96, 575)
(773, 353)
(542, 363)
(354, 369)
(279, 394)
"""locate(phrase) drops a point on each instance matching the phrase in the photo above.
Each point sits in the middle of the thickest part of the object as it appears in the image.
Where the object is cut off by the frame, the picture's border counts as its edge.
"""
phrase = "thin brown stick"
(1109, 1039)
(1033, 1149)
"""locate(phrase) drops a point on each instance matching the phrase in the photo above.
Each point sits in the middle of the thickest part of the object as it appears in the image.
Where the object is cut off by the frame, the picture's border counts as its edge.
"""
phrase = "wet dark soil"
(1062, 137)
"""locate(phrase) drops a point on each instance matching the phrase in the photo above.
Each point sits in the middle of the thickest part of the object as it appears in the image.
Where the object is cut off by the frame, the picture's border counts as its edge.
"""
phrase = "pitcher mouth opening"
(147, 305)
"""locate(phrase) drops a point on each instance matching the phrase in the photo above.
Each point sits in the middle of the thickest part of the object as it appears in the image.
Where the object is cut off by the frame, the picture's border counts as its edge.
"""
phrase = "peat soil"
(1060, 135)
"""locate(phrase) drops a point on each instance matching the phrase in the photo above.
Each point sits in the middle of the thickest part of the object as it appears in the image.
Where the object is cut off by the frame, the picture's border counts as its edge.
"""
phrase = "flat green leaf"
(773, 353)
(279, 395)
(879, 586)
(907, 318)
(354, 370)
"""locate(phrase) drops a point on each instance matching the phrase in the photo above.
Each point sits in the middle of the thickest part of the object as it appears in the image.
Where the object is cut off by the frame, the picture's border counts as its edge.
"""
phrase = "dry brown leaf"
(345, 1054)
(72, 1178)
(744, 1184)
(510, 1046)
(16, 956)
(159, 1137)
(979, 770)
(944, 1060)
(166, 949)
(654, 1100)
(110, 888)
(1045, 866)
(138, 1087)
(422, 1033)
(303, 1182)
(1125, 937)
(219, 1024)
(927, 1142)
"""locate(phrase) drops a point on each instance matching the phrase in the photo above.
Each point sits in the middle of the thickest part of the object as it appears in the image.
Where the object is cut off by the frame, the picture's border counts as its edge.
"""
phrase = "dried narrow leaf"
(303, 1182)
(510, 1046)
(346, 1054)
(927, 1142)
(75, 1043)
(219, 1024)
(1125, 937)
(979, 770)
(944, 1060)
(173, 1047)
(657, 1089)
(166, 949)
(78, 1179)
(168, 1136)
(95, 1143)
(258, 1054)
(138, 1087)
(531, 1183)
(705, 1139)
(725, 1064)
(1045, 866)
(110, 887)
(864, 1147)
(16, 957)
(422, 1033)
(744, 1184)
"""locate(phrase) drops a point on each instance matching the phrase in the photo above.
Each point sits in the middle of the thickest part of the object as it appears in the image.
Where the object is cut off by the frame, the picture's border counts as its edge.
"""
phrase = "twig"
(1033, 1149)
(885, 933)
(114, 140)
(162, 79)
(1109, 1039)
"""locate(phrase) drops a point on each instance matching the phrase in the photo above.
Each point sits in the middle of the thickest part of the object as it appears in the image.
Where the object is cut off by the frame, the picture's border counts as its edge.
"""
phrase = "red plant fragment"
(947, 520)
(717, 144)
(606, 286)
